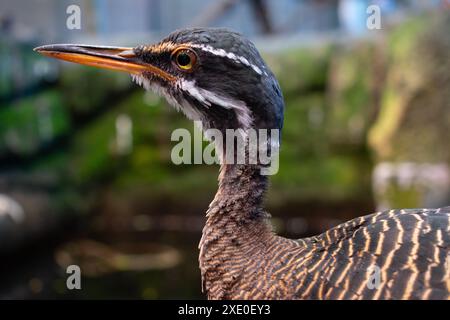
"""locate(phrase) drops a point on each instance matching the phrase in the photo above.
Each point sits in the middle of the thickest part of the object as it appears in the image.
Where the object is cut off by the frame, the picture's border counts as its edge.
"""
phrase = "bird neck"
(240, 195)
(236, 221)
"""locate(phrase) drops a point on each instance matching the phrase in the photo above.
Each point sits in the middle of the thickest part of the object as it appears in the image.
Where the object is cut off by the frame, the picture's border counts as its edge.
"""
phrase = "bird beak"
(113, 58)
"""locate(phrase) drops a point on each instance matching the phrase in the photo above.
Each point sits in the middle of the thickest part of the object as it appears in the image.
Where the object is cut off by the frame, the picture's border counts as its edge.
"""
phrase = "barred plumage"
(397, 254)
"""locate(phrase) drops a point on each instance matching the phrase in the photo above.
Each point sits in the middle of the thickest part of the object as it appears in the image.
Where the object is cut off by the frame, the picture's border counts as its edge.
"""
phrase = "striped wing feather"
(402, 254)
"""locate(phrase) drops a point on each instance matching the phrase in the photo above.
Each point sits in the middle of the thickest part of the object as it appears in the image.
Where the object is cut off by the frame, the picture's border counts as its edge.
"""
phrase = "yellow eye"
(185, 59)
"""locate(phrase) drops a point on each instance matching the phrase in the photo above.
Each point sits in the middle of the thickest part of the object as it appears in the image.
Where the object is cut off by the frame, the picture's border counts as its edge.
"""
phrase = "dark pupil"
(183, 59)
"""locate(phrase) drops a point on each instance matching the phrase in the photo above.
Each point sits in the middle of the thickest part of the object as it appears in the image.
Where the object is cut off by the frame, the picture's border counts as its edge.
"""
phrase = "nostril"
(127, 54)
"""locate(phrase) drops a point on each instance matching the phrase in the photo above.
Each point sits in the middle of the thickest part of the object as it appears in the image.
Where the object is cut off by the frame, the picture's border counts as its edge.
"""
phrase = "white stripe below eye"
(207, 97)
(182, 106)
(229, 55)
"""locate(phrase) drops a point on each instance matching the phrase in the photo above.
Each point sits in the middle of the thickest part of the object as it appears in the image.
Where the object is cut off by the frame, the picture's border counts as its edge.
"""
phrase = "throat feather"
(200, 97)
(209, 98)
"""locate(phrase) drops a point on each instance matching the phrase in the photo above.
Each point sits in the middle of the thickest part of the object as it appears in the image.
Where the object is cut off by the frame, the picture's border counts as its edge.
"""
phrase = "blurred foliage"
(338, 97)
(414, 116)
(301, 71)
(87, 90)
(352, 92)
(29, 123)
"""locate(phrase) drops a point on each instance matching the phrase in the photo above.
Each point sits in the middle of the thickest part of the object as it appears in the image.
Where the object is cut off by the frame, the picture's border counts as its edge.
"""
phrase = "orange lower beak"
(114, 58)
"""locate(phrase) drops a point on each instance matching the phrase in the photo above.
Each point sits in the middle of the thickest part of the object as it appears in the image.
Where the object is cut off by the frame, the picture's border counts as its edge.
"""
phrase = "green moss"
(414, 107)
(387, 124)
(403, 198)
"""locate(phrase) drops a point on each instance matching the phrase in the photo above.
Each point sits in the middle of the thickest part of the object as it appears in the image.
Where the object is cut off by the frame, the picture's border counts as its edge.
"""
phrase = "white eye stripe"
(229, 55)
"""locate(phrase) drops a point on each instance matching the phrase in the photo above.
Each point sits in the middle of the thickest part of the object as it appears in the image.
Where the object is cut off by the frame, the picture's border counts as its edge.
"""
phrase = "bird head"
(213, 75)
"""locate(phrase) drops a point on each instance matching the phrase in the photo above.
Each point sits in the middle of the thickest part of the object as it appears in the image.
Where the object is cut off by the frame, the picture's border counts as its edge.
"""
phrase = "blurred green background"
(85, 170)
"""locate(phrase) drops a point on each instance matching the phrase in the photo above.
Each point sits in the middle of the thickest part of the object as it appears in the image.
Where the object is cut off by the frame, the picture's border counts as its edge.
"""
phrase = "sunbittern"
(218, 77)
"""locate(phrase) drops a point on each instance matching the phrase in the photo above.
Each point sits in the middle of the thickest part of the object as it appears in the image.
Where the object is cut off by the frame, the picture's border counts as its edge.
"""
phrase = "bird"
(217, 76)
